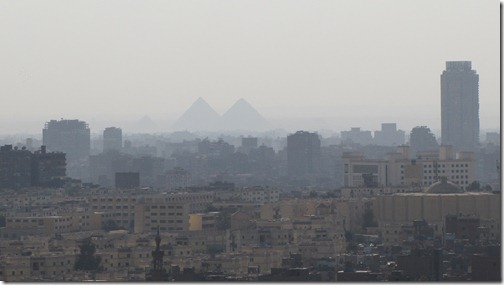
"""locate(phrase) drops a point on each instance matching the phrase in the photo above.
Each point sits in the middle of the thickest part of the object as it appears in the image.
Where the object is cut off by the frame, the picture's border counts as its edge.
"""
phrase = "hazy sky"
(123, 59)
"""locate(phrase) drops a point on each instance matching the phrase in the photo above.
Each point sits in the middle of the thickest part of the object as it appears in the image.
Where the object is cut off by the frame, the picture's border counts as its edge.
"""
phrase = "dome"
(444, 187)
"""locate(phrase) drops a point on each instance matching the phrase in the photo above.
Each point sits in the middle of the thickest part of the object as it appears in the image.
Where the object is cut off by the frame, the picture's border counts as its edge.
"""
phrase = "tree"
(211, 208)
(474, 186)
(87, 260)
(368, 219)
(111, 225)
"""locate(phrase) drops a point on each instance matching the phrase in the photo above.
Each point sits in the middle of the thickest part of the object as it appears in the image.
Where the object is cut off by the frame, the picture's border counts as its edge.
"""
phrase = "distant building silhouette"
(127, 179)
(48, 168)
(22, 168)
(421, 139)
(248, 144)
(389, 135)
(15, 167)
(492, 138)
(112, 139)
(460, 106)
(355, 135)
(69, 136)
(303, 154)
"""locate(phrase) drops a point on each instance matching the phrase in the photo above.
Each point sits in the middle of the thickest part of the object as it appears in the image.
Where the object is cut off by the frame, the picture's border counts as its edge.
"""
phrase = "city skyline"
(299, 60)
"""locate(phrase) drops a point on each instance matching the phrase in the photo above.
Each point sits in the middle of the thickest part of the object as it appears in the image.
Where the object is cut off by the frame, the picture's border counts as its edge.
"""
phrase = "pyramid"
(146, 121)
(199, 117)
(242, 116)
(145, 124)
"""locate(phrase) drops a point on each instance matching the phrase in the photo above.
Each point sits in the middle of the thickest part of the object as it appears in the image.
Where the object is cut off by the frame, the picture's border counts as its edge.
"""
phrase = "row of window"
(446, 165)
(112, 199)
(164, 229)
(164, 214)
(167, 221)
(165, 207)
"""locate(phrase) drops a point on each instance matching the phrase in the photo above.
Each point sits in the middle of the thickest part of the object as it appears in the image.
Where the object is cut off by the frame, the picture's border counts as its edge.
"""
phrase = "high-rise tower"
(303, 154)
(112, 139)
(460, 106)
(69, 136)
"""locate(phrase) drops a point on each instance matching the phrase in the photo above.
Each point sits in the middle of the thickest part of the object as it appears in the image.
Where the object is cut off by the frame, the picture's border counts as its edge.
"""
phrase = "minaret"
(157, 273)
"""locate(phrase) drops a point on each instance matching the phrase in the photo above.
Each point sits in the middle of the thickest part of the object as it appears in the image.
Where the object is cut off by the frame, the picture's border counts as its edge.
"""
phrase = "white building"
(398, 169)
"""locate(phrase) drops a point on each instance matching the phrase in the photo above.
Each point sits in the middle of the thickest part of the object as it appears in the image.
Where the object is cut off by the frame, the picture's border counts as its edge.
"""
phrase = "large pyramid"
(242, 116)
(199, 117)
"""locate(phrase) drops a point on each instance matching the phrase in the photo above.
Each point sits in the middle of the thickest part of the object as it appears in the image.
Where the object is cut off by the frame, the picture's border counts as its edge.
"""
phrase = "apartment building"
(124, 205)
(151, 214)
(16, 227)
(259, 194)
(203, 221)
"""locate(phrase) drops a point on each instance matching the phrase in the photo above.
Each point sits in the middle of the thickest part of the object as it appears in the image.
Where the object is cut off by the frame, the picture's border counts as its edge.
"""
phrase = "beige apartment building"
(203, 221)
(16, 227)
(441, 199)
(31, 268)
(404, 208)
(151, 214)
(259, 194)
(124, 206)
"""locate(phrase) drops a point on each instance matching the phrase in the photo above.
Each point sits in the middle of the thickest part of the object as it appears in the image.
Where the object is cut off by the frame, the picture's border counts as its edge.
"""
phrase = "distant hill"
(199, 117)
(242, 116)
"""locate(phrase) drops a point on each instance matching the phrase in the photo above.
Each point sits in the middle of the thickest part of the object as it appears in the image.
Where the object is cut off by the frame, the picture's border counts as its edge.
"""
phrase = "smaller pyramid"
(242, 116)
(144, 125)
(199, 117)
(146, 121)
